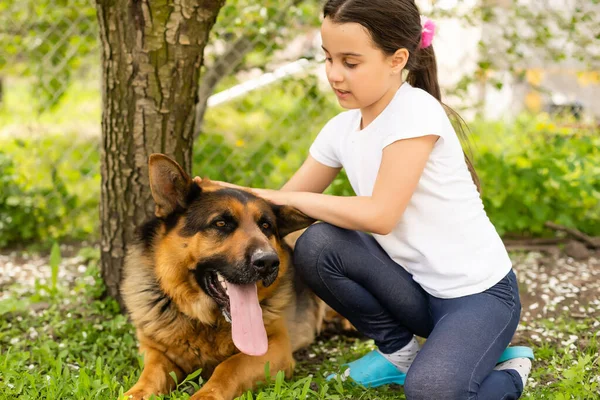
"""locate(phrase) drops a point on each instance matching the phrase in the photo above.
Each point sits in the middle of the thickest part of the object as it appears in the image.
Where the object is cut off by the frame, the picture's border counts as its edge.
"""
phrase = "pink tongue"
(247, 327)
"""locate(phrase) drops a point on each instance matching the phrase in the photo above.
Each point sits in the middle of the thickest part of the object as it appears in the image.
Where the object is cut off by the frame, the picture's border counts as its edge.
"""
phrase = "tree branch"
(593, 242)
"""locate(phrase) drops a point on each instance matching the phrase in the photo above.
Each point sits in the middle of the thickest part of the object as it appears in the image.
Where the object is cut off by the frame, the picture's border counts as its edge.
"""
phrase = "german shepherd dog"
(209, 283)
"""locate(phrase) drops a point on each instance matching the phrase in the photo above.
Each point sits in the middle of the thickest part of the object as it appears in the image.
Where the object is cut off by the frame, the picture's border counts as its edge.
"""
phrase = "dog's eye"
(224, 225)
(266, 225)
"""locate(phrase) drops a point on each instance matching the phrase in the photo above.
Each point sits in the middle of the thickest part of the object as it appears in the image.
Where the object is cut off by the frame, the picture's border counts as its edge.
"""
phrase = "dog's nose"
(265, 262)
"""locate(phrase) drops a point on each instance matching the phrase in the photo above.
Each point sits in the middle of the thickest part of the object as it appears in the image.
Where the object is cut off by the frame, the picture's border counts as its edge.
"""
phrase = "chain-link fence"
(49, 120)
(263, 98)
(260, 60)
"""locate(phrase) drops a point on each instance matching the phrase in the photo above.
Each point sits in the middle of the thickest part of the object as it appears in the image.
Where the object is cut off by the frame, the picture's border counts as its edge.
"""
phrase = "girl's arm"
(312, 176)
(402, 164)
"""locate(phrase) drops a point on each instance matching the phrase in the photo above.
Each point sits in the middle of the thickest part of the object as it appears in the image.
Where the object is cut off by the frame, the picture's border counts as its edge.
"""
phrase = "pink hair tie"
(427, 32)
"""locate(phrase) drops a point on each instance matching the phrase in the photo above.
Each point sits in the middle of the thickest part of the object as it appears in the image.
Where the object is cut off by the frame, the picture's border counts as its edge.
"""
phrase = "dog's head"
(216, 246)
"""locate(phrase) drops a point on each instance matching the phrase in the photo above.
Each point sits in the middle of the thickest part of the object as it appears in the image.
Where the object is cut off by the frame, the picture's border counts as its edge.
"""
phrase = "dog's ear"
(290, 219)
(169, 183)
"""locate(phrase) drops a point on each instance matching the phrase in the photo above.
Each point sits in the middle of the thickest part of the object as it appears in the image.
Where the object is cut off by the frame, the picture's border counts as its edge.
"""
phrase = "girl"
(434, 265)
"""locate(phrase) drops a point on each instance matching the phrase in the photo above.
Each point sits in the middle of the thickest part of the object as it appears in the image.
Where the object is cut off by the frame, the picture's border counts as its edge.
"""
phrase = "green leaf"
(279, 382)
(173, 375)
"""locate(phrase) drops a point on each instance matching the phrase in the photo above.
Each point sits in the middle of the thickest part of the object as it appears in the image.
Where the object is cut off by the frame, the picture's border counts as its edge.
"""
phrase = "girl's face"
(361, 75)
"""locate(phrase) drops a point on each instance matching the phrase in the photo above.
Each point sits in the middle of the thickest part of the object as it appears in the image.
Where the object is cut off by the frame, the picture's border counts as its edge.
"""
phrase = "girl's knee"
(435, 383)
(314, 239)
(318, 234)
(310, 246)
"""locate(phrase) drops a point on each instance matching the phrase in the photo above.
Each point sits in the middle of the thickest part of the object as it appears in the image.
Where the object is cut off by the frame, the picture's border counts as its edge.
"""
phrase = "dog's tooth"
(226, 316)
(224, 285)
(220, 277)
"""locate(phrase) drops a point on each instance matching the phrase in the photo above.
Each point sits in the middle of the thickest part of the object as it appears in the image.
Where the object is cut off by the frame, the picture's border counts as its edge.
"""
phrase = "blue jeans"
(465, 335)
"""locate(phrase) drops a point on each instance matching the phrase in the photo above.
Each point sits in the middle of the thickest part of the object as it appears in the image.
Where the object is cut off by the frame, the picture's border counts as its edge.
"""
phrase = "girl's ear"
(398, 61)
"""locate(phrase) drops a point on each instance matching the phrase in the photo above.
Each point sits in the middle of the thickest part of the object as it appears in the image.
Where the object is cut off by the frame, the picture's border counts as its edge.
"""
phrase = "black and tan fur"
(180, 327)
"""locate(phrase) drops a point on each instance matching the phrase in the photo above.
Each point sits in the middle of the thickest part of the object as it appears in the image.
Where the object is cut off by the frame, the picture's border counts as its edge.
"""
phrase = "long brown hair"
(393, 25)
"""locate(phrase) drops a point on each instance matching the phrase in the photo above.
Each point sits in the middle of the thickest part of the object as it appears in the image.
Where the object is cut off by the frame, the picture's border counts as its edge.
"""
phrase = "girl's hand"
(198, 180)
(274, 196)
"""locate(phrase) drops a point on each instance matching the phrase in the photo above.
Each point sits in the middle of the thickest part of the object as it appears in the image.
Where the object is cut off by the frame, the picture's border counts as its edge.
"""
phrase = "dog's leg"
(241, 372)
(155, 378)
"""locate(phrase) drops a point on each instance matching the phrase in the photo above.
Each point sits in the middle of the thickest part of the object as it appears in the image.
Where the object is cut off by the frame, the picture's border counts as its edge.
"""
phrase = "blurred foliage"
(268, 133)
(269, 25)
(535, 171)
(42, 196)
(52, 39)
(48, 40)
(532, 171)
(517, 35)
(540, 32)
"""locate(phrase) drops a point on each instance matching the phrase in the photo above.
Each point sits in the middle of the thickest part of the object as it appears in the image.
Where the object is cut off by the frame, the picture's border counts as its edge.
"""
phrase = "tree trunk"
(151, 58)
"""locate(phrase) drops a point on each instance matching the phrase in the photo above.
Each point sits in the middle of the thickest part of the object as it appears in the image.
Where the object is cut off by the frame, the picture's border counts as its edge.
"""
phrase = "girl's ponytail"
(425, 75)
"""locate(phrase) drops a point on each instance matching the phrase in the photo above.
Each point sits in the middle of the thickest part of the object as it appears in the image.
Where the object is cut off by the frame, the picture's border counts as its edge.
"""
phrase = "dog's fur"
(200, 230)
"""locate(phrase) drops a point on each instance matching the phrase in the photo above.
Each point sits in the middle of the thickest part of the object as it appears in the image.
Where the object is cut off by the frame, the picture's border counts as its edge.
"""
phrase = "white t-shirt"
(444, 238)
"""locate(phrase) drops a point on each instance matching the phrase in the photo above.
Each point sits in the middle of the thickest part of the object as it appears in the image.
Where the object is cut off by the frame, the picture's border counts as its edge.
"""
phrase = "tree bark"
(151, 58)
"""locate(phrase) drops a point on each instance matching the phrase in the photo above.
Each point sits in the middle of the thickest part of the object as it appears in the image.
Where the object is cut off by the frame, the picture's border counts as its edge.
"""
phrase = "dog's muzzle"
(266, 265)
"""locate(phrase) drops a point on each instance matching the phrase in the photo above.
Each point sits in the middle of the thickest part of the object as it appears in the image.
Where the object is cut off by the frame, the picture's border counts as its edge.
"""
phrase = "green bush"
(49, 189)
(533, 172)
(15, 205)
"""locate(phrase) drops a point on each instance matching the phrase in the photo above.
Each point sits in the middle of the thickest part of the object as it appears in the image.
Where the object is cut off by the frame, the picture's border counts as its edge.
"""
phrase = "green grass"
(59, 341)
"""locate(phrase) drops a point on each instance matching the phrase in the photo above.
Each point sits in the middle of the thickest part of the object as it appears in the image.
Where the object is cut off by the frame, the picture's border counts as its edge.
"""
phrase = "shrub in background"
(534, 171)
(49, 190)
(531, 170)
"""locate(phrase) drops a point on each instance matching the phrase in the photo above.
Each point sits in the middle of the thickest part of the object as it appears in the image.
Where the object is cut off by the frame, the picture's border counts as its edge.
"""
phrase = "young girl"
(434, 265)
